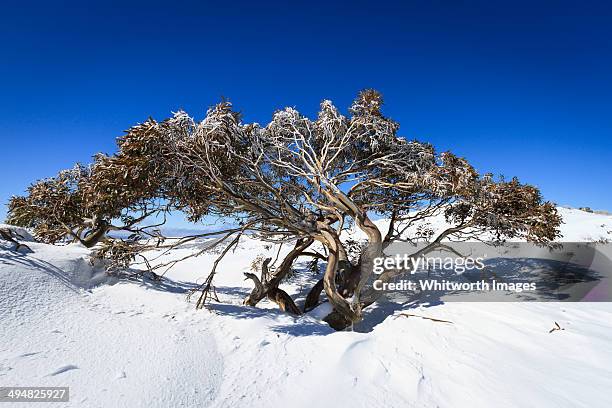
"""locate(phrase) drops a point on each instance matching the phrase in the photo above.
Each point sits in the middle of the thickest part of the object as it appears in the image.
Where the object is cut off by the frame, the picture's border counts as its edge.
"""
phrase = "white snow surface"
(121, 343)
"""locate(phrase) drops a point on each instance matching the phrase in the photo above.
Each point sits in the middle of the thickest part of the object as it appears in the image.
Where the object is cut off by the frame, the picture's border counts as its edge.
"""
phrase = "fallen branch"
(556, 328)
(424, 317)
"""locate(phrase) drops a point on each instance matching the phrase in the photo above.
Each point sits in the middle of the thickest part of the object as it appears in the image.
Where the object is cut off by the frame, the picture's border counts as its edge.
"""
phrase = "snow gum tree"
(305, 181)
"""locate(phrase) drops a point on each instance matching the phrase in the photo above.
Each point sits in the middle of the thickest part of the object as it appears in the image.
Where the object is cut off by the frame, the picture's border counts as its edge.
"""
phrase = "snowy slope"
(140, 344)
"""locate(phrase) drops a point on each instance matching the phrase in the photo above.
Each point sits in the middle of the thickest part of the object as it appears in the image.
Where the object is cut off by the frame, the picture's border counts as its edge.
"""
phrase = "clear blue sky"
(520, 89)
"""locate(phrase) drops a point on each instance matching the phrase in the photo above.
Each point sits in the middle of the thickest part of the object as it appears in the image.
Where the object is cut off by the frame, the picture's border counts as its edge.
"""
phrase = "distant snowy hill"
(120, 343)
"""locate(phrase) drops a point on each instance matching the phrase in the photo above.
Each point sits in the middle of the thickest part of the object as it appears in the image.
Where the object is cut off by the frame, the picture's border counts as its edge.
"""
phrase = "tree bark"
(332, 241)
(373, 250)
(284, 301)
(347, 275)
(95, 236)
(312, 299)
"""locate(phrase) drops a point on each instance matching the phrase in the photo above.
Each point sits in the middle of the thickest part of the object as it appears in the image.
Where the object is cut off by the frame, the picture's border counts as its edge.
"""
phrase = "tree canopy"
(295, 179)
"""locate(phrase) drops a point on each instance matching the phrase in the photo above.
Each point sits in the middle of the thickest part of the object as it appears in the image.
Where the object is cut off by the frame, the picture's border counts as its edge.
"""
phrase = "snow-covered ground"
(119, 343)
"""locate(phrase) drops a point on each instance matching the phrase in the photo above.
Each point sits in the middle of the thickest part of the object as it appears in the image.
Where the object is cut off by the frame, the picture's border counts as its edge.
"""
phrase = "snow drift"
(121, 343)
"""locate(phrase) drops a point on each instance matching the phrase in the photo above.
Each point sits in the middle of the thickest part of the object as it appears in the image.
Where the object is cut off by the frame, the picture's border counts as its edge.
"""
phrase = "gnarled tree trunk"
(272, 281)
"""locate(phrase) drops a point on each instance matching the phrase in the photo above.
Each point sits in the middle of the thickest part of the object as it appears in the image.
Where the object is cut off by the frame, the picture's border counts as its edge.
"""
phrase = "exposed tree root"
(337, 320)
